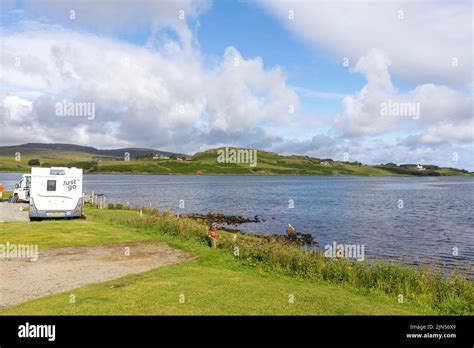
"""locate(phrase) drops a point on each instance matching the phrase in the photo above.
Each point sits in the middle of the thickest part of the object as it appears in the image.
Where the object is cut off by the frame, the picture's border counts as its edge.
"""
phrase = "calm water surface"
(437, 212)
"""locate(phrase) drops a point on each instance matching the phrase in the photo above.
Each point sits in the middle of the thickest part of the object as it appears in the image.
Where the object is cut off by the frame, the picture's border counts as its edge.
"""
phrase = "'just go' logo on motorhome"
(71, 184)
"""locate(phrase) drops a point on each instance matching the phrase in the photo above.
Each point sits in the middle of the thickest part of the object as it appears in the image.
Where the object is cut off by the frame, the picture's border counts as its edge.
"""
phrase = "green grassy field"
(216, 282)
(206, 163)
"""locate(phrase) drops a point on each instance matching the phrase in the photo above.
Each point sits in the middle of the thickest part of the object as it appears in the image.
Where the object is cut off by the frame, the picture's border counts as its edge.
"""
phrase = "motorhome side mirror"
(17, 186)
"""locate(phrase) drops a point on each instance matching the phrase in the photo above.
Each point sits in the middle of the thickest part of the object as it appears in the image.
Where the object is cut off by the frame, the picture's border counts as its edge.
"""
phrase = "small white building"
(158, 156)
(325, 163)
(420, 167)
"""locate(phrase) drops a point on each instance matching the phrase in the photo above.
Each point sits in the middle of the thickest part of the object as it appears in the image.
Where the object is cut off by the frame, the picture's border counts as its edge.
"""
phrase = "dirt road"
(13, 212)
(63, 269)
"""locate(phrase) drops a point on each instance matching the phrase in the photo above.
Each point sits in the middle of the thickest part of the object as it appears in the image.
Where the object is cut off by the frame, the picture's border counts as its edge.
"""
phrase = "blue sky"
(257, 34)
(157, 79)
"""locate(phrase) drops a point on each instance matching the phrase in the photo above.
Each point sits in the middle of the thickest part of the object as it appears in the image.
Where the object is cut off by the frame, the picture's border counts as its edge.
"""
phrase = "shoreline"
(308, 243)
(336, 279)
(224, 174)
(270, 175)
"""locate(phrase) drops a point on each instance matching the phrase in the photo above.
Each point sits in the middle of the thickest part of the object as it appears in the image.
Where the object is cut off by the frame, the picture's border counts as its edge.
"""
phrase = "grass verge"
(267, 277)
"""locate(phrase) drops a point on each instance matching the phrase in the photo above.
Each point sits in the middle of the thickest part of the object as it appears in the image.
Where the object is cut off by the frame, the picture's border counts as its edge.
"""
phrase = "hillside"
(78, 152)
(141, 161)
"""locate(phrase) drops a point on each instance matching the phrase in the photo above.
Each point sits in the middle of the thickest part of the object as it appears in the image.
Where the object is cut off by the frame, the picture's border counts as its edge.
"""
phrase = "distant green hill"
(32, 149)
(207, 162)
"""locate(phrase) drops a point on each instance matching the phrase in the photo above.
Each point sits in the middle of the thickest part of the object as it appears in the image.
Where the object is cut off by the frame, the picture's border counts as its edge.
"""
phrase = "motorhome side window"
(51, 185)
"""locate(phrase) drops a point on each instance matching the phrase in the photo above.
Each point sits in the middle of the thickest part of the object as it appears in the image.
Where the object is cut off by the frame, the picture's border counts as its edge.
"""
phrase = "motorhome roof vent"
(57, 172)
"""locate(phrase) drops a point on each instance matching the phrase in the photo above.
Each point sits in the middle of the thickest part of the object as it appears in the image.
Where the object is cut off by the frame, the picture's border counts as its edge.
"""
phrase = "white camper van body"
(55, 193)
(22, 190)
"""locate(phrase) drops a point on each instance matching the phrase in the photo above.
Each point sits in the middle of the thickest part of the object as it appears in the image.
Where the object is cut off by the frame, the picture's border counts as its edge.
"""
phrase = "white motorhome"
(22, 190)
(55, 193)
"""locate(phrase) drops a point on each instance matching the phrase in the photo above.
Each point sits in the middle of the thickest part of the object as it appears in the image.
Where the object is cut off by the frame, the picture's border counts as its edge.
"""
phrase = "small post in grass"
(213, 236)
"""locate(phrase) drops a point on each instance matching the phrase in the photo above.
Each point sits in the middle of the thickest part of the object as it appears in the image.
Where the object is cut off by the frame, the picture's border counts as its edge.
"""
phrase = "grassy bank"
(262, 279)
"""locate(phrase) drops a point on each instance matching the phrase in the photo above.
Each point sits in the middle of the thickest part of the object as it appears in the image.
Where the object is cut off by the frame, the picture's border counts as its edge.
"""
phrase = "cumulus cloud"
(242, 92)
(449, 131)
(445, 113)
(427, 42)
(128, 17)
(160, 97)
(320, 146)
(441, 103)
(361, 112)
(15, 110)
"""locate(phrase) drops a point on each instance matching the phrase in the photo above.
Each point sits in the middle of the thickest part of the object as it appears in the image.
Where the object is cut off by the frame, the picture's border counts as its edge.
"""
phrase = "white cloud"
(439, 107)
(441, 103)
(442, 132)
(421, 37)
(112, 17)
(15, 110)
(160, 97)
(242, 92)
(361, 113)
